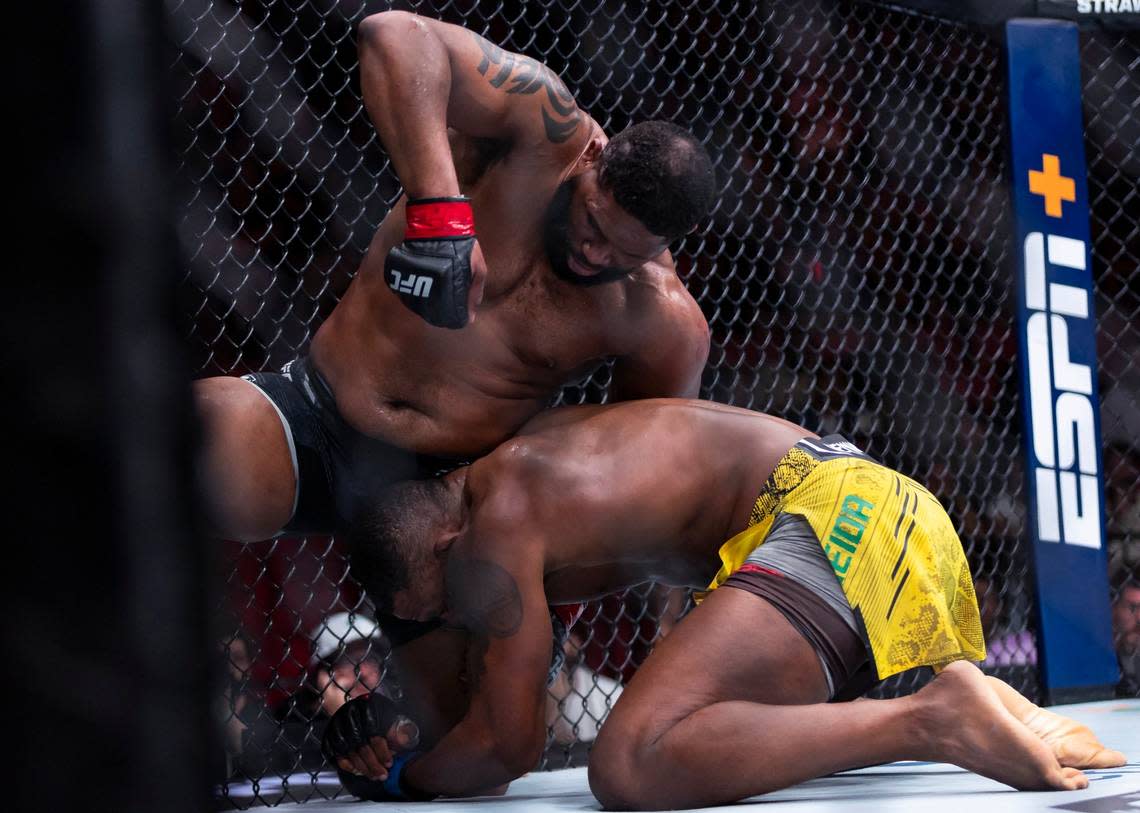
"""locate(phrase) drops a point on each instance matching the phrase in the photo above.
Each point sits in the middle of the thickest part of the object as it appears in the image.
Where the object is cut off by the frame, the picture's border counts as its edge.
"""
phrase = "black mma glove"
(350, 729)
(431, 270)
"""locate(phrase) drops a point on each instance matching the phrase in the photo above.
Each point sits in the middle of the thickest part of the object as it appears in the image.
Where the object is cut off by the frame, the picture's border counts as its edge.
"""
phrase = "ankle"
(926, 726)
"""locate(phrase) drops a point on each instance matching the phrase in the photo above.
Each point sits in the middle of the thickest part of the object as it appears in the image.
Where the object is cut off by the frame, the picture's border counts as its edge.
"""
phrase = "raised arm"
(668, 341)
(419, 76)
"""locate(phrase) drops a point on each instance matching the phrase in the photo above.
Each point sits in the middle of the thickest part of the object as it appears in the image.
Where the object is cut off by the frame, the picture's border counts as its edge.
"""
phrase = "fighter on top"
(528, 250)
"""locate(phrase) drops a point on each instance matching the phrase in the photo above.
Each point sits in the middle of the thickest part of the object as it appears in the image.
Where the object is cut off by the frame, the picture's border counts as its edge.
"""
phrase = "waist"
(451, 423)
(797, 465)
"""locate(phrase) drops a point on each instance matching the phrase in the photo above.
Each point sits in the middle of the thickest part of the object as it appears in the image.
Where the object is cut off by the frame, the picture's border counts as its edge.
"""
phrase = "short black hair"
(661, 174)
(381, 536)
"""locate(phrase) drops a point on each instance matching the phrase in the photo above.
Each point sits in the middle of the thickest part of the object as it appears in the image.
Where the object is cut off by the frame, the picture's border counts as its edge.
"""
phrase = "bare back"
(621, 494)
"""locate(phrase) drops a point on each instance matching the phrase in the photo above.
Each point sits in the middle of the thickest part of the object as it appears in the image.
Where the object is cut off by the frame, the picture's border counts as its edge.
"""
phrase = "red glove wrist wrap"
(434, 218)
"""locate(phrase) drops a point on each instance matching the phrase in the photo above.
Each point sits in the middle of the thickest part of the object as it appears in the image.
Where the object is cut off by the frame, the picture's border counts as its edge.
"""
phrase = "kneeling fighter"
(837, 572)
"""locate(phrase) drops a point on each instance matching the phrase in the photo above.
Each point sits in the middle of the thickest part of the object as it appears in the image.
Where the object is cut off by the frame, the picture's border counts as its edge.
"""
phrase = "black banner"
(1109, 14)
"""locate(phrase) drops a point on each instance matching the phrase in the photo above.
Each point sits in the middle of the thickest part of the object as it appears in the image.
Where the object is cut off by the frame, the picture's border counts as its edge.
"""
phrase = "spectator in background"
(238, 707)
(942, 481)
(1003, 647)
(349, 655)
(579, 699)
(1122, 496)
(1126, 629)
(1004, 510)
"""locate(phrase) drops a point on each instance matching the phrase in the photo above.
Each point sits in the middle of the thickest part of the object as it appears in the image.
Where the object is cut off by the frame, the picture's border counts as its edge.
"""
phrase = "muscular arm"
(500, 599)
(418, 76)
(669, 345)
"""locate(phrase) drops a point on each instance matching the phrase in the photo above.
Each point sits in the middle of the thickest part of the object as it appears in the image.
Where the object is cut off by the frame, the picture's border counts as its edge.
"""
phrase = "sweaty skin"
(588, 500)
(458, 115)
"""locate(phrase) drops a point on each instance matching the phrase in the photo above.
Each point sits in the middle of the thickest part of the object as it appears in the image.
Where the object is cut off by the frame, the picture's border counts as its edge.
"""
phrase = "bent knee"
(615, 772)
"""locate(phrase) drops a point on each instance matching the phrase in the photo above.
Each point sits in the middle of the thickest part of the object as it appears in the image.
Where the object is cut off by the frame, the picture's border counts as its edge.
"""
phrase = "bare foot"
(966, 724)
(1074, 745)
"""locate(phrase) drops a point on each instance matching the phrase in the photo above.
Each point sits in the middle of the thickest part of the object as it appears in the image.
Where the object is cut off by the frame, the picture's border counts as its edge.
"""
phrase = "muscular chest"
(542, 322)
(548, 331)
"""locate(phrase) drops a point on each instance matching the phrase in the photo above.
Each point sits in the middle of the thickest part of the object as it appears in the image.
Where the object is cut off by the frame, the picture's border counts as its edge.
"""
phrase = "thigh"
(734, 646)
(247, 470)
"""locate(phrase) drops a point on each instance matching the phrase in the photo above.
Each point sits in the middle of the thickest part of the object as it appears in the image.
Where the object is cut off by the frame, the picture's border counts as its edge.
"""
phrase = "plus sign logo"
(1050, 184)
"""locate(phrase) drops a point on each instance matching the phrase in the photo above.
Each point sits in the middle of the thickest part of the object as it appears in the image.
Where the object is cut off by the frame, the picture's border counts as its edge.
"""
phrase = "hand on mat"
(366, 734)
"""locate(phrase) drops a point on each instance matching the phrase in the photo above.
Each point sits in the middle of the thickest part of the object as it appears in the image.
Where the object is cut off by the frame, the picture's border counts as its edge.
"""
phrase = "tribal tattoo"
(521, 74)
(483, 597)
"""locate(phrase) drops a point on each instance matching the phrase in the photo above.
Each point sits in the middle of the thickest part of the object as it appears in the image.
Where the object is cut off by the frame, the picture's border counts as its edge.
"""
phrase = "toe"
(1072, 779)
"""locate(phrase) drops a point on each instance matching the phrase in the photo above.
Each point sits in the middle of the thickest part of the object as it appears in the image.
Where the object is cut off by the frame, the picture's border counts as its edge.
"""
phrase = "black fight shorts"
(338, 470)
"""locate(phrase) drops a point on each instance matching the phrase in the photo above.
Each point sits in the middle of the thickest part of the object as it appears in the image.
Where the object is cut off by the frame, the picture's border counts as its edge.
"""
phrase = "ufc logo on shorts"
(1063, 433)
(841, 447)
(411, 284)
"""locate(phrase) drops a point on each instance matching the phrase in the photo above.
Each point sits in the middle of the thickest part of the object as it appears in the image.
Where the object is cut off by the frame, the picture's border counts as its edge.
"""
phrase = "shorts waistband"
(795, 466)
(302, 372)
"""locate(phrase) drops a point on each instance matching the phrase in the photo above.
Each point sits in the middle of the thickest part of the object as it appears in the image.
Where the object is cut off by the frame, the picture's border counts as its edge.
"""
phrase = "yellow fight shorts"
(891, 545)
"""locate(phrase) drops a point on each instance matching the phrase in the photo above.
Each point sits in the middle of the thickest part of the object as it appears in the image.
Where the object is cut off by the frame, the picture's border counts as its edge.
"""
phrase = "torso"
(461, 392)
(633, 492)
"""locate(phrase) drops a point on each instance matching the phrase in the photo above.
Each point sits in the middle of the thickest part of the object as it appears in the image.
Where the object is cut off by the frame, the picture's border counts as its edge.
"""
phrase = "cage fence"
(855, 274)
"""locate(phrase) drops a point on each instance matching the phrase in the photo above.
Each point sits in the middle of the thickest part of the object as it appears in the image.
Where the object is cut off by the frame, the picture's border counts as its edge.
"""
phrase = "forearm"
(469, 759)
(405, 78)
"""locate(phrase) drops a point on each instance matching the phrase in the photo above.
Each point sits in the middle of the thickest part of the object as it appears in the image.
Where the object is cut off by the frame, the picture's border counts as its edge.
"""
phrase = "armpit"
(472, 157)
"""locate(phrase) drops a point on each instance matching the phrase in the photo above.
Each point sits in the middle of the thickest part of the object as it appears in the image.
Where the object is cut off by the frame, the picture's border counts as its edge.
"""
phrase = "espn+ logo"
(1061, 414)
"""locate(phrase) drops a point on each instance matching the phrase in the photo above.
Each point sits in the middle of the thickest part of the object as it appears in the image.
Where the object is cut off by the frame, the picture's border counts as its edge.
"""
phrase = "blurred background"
(856, 273)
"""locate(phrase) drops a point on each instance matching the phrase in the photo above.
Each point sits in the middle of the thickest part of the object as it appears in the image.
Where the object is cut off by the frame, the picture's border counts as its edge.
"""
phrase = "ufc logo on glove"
(438, 240)
(410, 284)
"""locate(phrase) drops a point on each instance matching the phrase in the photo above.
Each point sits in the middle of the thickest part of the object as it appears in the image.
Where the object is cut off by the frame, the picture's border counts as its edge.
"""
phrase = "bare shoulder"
(657, 300)
(503, 484)
(661, 337)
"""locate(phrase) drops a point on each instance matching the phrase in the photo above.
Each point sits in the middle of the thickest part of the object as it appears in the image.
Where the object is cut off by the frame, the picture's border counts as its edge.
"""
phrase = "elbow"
(520, 755)
(699, 348)
(702, 339)
(378, 32)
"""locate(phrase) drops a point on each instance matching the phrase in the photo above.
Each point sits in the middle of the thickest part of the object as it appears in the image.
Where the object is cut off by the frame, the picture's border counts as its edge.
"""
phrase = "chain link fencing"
(856, 274)
(1111, 81)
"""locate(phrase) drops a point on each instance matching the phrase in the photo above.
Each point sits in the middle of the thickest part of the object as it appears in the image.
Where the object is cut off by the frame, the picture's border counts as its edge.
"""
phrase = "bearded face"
(559, 242)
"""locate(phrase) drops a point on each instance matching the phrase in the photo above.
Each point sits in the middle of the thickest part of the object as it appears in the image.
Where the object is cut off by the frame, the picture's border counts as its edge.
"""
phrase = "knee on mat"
(616, 777)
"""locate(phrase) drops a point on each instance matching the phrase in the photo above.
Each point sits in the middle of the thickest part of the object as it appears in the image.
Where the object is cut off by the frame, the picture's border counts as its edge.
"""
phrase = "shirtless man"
(528, 250)
(842, 572)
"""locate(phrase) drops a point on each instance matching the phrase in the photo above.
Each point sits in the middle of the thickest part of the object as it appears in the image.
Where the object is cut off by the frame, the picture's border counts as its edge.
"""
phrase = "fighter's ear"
(445, 540)
(593, 151)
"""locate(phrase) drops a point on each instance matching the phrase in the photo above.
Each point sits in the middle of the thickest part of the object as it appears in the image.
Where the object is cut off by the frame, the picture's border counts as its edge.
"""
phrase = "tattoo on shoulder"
(515, 73)
(484, 597)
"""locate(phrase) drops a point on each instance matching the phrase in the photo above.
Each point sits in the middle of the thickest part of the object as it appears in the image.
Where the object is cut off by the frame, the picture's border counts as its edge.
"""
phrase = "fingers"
(371, 760)
(355, 765)
(376, 758)
(478, 281)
